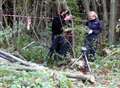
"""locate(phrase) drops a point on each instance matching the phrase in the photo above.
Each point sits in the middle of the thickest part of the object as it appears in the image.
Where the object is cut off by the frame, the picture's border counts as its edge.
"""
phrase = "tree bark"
(14, 23)
(105, 24)
(1, 14)
(86, 4)
(112, 21)
(94, 5)
(14, 12)
(105, 13)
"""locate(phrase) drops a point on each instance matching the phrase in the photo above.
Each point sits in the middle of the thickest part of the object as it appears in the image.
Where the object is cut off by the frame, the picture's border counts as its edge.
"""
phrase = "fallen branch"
(28, 45)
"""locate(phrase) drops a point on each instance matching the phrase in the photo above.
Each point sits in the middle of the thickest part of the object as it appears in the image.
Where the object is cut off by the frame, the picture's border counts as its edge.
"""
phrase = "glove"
(90, 31)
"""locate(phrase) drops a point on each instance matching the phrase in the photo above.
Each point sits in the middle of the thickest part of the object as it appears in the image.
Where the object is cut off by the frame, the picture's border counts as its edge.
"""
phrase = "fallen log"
(25, 65)
(18, 67)
(74, 75)
(81, 76)
(3, 60)
(12, 58)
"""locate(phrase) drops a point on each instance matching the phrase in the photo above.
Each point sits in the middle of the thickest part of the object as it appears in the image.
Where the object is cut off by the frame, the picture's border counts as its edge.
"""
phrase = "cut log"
(81, 76)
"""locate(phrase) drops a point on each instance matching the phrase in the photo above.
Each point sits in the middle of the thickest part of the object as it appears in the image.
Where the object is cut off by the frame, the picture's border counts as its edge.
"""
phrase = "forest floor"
(14, 75)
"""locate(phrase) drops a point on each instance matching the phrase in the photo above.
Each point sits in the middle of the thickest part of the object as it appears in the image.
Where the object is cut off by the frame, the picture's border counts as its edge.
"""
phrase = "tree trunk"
(94, 5)
(1, 14)
(105, 21)
(112, 21)
(86, 4)
(14, 11)
(105, 13)
(14, 23)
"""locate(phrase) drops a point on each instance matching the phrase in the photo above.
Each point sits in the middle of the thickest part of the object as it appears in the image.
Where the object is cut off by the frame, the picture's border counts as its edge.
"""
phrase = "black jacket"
(95, 26)
(57, 24)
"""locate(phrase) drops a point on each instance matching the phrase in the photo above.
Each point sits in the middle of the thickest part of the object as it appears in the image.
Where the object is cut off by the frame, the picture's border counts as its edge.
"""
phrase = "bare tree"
(14, 11)
(105, 20)
(112, 21)
(94, 5)
(14, 22)
(0, 14)
(105, 13)
(86, 4)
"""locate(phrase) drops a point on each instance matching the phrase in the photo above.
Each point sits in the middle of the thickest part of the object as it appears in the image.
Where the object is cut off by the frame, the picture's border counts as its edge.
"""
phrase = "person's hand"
(90, 31)
(68, 17)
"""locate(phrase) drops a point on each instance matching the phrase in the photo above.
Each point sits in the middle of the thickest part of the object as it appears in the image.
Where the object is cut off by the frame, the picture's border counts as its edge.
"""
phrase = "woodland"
(25, 39)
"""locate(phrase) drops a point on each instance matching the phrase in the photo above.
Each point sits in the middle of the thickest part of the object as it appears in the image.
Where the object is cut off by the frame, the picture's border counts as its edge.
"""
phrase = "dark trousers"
(57, 44)
(89, 44)
(53, 37)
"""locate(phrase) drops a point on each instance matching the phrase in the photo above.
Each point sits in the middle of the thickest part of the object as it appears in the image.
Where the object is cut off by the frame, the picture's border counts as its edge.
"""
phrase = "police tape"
(21, 16)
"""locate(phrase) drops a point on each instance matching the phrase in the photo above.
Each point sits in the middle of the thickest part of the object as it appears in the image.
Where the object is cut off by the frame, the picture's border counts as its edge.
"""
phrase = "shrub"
(79, 39)
(35, 53)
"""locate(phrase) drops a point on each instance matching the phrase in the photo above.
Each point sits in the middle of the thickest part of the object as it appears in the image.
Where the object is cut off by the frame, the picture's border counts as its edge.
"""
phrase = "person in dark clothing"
(57, 30)
(94, 28)
(57, 24)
